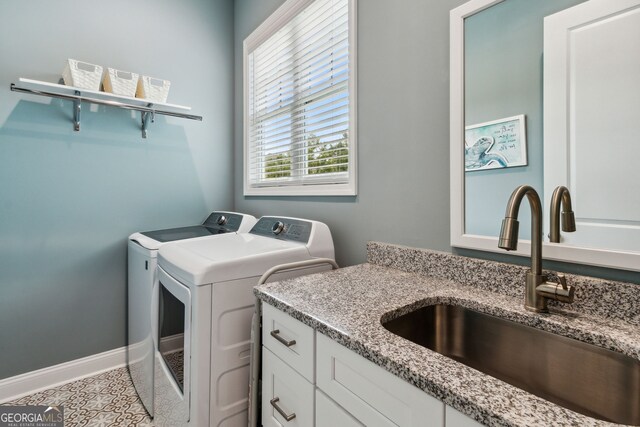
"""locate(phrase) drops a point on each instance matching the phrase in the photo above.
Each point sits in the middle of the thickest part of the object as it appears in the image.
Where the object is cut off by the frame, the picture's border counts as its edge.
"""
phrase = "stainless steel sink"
(584, 378)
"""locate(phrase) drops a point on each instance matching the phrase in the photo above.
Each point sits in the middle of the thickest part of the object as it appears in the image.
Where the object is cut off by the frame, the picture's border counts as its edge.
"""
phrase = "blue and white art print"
(497, 144)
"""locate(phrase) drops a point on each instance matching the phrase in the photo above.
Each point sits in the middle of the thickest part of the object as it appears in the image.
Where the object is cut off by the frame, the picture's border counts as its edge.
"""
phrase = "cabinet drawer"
(290, 340)
(372, 395)
(283, 389)
(329, 414)
(456, 418)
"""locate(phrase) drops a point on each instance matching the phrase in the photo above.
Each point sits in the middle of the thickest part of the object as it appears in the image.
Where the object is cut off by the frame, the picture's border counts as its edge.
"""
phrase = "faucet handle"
(557, 289)
(561, 279)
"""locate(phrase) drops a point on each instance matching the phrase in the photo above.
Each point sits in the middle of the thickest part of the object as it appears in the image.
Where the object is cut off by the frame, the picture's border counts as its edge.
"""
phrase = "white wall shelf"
(147, 108)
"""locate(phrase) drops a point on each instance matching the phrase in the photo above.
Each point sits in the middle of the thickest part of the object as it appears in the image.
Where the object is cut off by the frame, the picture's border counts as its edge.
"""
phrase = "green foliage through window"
(278, 166)
(328, 157)
(321, 157)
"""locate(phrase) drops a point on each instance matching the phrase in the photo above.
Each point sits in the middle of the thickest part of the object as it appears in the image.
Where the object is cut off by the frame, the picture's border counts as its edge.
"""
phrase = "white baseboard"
(31, 382)
(172, 343)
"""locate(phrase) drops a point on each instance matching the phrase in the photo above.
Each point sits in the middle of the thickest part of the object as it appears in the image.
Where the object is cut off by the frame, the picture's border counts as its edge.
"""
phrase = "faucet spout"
(537, 289)
(561, 196)
(509, 232)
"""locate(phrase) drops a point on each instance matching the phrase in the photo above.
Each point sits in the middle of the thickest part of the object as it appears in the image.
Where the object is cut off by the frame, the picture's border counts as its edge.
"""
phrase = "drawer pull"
(274, 403)
(282, 340)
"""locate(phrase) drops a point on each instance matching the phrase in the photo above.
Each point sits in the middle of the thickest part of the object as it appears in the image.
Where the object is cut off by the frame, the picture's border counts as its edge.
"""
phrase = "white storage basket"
(82, 75)
(120, 82)
(153, 89)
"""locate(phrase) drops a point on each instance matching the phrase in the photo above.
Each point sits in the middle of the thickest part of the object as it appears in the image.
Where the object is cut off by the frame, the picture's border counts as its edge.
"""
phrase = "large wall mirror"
(546, 93)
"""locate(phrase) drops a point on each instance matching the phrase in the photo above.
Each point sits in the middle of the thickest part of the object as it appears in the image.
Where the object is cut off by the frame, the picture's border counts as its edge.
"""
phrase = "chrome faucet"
(561, 194)
(538, 290)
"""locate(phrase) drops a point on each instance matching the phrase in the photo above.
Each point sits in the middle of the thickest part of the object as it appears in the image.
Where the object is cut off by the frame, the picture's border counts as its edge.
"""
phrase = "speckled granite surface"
(347, 305)
(593, 296)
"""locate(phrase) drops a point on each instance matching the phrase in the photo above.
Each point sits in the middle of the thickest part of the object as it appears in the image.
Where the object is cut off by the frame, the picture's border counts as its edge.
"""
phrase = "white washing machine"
(204, 380)
(142, 261)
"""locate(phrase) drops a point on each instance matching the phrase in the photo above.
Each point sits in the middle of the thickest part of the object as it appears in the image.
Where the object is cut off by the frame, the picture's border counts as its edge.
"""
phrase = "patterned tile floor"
(175, 362)
(104, 400)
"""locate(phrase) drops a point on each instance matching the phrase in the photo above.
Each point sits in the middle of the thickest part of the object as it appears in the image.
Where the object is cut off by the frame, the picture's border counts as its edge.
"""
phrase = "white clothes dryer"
(204, 380)
(142, 261)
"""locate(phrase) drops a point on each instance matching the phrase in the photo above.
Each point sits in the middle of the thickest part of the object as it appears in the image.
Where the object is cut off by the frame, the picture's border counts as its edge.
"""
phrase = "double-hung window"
(299, 101)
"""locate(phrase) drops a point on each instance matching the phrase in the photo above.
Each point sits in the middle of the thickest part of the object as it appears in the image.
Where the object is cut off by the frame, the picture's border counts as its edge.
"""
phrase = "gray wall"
(403, 112)
(69, 200)
(403, 115)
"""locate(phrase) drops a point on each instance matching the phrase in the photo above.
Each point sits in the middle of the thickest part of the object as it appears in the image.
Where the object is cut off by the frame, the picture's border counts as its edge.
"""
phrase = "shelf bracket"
(146, 117)
(74, 95)
(76, 112)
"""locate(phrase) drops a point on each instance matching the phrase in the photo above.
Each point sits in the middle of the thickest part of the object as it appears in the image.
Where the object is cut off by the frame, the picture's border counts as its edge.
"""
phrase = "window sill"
(303, 190)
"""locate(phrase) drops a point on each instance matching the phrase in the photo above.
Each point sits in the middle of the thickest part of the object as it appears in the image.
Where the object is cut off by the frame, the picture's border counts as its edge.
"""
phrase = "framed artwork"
(497, 144)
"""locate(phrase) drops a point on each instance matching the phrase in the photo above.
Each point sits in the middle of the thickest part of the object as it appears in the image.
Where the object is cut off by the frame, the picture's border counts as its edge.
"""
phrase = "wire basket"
(153, 89)
(82, 74)
(120, 82)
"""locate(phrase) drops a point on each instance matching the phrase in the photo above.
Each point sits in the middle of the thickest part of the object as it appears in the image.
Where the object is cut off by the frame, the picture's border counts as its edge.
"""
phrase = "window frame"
(282, 16)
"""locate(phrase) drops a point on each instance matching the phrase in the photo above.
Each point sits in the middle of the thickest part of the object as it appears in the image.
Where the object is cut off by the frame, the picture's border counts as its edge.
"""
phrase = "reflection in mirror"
(503, 53)
(498, 73)
(591, 111)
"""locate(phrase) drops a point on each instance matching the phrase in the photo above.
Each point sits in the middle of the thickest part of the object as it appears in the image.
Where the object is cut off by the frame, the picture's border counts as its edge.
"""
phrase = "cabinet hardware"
(275, 334)
(274, 403)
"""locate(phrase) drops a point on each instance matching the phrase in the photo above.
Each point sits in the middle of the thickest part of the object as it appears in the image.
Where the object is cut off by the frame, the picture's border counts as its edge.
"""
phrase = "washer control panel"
(223, 221)
(283, 228)
(278, 227)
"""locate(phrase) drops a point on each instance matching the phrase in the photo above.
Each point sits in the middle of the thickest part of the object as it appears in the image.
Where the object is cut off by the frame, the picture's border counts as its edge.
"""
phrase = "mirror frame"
(459, 238)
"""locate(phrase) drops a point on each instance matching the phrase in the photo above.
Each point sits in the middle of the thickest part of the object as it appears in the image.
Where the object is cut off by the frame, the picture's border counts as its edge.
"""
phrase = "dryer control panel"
(283, 228)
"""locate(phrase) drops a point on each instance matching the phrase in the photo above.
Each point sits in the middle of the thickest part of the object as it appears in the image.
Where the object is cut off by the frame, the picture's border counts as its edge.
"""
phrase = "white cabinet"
(287, 397)
(314, 381)
(290, 340)
(330, 414)
(456, 418)
(374, 396)
(288, 370)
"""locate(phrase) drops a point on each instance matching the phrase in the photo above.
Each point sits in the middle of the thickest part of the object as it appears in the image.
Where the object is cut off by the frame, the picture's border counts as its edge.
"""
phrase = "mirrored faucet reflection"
(538, 290)
(561, 195)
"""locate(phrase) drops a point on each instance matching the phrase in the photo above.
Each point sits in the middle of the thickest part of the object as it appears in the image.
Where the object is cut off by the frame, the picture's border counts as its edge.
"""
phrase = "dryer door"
(140, 350)
(173, 355)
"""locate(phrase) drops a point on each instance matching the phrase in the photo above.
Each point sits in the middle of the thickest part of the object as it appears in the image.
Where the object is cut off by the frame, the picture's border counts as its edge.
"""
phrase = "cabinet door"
(455, 418)
(371, 394)
(285, 394)
(290, 340)
(329, 414)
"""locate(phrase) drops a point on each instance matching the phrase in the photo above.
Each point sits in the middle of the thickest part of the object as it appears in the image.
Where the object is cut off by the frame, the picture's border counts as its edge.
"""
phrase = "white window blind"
(299, 105)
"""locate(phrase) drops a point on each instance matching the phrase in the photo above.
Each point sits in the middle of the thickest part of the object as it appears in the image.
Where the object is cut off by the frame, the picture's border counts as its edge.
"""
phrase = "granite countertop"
(347, 305)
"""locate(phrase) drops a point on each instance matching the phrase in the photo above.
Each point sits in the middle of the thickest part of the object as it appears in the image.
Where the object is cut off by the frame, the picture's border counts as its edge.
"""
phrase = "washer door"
(173, 355)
